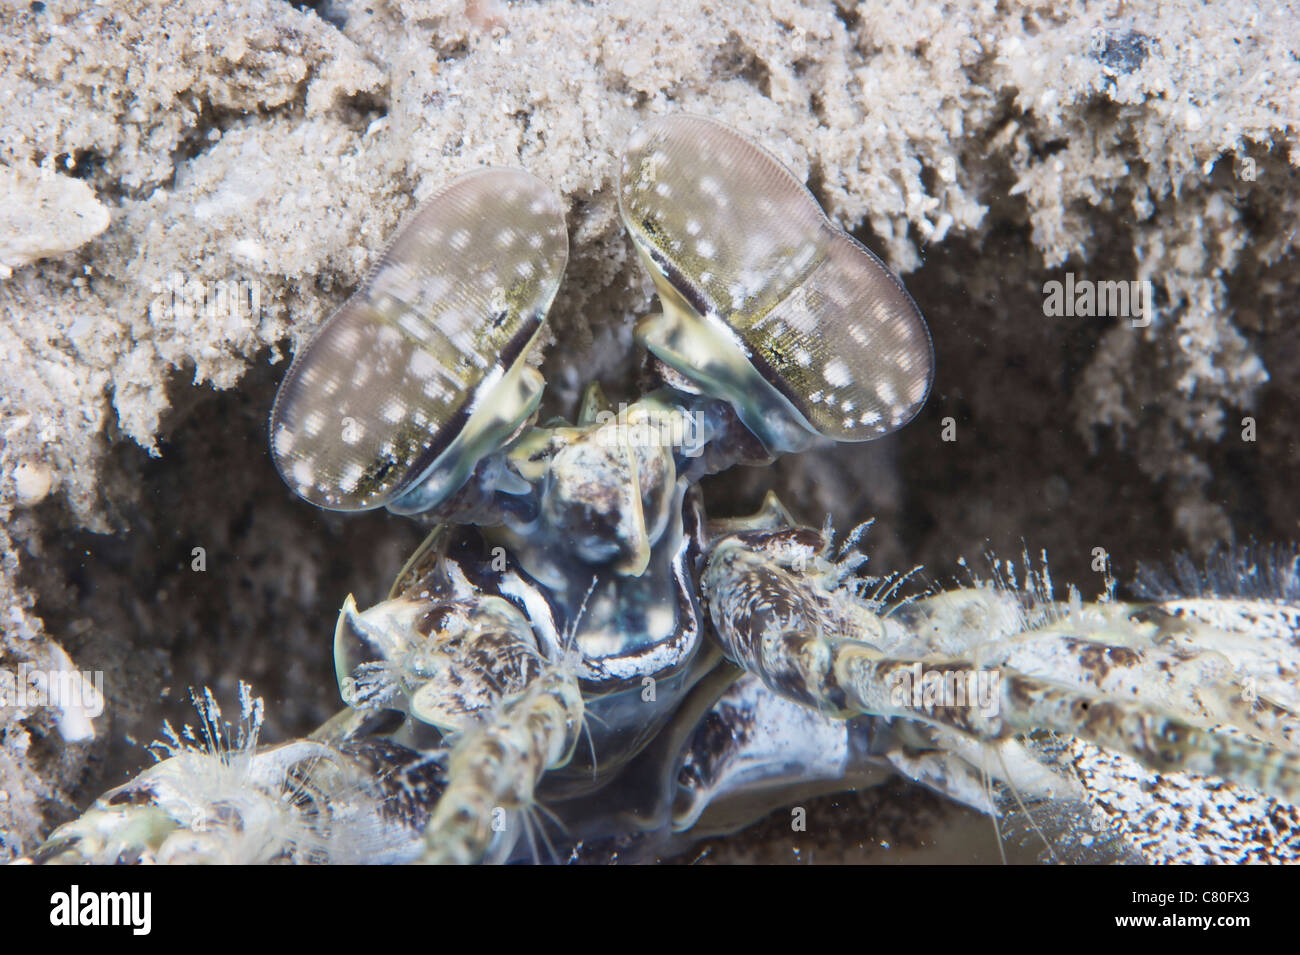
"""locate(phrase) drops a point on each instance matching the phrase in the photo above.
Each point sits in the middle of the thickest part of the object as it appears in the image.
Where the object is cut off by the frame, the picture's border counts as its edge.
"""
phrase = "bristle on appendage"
(1251, 572)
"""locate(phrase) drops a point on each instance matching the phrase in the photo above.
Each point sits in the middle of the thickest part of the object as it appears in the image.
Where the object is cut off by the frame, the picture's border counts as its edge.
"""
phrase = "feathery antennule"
(1030, 585)
(877, 592)
(213, 737)
(884, 595)
(854, 539)
(1251, 571)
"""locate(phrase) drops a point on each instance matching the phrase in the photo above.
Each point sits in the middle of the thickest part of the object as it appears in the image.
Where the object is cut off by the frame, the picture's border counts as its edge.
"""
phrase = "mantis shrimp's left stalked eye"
(424, 370)
(766, 303)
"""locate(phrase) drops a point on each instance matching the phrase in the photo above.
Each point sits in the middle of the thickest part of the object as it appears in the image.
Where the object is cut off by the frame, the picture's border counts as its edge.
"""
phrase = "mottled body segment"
(446, 661)
(495, 769)
(1113, 681)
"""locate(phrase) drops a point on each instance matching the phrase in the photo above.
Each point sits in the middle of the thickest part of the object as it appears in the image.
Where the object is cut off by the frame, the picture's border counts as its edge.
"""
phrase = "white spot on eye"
(349, 478)
(709, 186)
(389, 337)
(534, 241)
(662, 189)
(361, 376)
(505, 237)
(693, 227)
(706, 277)
(837, 373)
(887, 393)
(800, 316)
(313, 424)
(524, 269)
(431, 289)
(460, 240)
(330, 387)
(303, 473)
(848, 406)
(869, 417)
(706, 248)
(538, 206)
(802, 357)
(761, 247)
(283, 440)
(422, 364)
(434, 390)
(815, 397)
(917, 391)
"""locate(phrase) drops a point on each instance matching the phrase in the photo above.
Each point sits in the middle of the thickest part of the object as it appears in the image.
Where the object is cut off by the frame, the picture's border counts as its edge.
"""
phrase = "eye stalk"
(766, 303)
(424, 370)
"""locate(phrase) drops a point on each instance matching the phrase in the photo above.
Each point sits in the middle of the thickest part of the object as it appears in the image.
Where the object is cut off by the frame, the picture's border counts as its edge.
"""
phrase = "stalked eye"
(423, 371)
(767, 304)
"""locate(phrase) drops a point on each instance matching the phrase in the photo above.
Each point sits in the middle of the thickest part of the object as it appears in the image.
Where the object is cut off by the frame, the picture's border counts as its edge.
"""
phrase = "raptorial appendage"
(214, 798)
(1204, 686)
(496, 768)
(468, 668)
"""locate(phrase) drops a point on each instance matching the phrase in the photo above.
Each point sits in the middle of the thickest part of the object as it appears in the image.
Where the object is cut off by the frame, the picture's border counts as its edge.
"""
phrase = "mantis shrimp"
(579, 662)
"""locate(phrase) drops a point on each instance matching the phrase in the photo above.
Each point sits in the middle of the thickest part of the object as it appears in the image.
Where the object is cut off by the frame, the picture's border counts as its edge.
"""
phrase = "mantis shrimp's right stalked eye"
(424, 370)
(766, 303)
